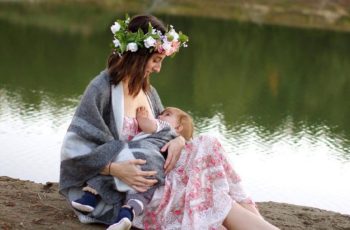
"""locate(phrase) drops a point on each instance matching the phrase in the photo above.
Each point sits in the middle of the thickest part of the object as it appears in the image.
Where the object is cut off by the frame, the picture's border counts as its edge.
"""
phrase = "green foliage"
(123, 37)
(183, 37)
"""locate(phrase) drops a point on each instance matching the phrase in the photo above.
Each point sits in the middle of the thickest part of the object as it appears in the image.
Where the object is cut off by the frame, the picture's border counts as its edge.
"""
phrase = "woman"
(105, 120)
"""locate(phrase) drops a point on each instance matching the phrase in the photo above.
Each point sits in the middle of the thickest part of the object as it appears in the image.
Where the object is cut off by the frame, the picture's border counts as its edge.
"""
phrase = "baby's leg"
(88, 202)
(135, 203)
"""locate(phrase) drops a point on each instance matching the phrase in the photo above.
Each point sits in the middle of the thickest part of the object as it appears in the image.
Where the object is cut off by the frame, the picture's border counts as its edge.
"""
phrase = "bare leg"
(240, 218)
(251, 208)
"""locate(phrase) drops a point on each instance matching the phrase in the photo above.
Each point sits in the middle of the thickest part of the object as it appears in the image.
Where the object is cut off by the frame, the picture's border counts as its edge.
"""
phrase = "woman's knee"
(240, 218)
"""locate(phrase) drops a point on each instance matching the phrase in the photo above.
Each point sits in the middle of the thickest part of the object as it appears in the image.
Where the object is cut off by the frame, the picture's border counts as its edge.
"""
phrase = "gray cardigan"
(91, 142)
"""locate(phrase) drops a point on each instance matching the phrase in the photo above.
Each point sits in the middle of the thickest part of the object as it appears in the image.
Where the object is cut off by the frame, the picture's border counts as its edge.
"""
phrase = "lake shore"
(29, 205)
(85, 17)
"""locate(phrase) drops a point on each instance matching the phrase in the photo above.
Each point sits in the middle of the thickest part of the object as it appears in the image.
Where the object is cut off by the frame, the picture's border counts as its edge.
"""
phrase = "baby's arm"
(146, 124)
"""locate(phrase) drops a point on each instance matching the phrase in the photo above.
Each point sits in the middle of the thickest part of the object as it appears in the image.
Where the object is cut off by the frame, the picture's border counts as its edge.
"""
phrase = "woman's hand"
(174, 148)
(132, 175)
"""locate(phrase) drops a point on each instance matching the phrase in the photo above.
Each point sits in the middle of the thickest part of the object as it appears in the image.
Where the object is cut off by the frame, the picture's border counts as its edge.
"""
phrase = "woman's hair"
(185, 120)
(132, 64)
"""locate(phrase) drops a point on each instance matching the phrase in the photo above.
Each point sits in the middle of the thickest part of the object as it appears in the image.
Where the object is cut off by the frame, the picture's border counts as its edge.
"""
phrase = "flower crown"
(125, 40)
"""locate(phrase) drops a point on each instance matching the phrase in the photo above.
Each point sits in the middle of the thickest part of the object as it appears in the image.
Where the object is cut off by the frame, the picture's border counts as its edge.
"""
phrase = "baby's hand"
(141, 112)
(146, 124)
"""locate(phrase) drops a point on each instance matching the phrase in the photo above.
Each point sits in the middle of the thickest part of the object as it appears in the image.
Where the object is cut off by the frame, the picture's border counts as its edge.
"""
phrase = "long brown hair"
(132, 64)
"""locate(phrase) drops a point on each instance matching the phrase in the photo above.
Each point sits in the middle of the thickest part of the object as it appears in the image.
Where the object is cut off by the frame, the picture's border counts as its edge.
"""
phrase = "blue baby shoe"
(124, 220)
(86, 203)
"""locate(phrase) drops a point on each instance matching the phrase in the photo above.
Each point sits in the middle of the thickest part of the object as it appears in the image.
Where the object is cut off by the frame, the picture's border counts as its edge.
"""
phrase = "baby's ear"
(179, 128)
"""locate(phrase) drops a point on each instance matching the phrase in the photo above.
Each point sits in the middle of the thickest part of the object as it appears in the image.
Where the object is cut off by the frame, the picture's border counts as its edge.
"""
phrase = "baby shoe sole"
(82, 207)
(123, 224)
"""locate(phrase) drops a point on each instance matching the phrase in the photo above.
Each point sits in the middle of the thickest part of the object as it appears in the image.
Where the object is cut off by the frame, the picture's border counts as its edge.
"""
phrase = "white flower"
(155, 31)
(116, 43)
(166, 46)
(132, 46)
(173, 33)
(115, 28)
(149, 42)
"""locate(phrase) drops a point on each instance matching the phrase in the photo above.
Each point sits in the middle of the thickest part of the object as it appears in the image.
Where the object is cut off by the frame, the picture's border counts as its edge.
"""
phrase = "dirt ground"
(28, 205)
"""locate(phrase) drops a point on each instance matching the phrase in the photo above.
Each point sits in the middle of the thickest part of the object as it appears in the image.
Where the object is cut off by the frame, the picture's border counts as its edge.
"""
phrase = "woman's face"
(154, 64)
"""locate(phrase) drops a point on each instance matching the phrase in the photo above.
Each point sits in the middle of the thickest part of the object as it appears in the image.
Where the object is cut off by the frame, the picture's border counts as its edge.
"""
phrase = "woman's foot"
(86, 203)
(124, 220)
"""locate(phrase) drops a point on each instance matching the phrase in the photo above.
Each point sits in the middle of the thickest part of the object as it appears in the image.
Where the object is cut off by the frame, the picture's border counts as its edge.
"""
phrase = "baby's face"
(170, 116)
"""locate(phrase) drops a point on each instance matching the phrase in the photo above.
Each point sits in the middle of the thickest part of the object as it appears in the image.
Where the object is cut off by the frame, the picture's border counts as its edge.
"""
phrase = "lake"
(276, 97)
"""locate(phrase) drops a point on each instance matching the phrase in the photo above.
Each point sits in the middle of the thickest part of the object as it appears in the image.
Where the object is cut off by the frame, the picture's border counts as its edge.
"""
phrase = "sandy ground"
(28, 205)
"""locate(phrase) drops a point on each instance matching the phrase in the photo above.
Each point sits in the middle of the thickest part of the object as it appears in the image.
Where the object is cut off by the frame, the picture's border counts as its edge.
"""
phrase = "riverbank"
(29, 205)
(86, 16)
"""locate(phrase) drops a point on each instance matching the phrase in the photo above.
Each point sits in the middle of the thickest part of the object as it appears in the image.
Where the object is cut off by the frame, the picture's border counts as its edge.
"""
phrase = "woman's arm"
(174, 148)
(89, 144)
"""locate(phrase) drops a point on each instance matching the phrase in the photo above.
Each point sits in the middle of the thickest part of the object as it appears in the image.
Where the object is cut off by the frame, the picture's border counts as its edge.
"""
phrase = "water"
(275, 97)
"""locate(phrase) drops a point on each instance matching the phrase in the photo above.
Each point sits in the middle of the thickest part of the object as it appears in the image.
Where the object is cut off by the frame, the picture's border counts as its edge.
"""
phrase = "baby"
(145, 145)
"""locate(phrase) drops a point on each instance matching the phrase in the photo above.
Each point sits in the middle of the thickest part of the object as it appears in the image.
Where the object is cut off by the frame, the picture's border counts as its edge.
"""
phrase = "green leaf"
(140, 34)
(182, 37)
(150, 28)
(122, 47)
(155, 36)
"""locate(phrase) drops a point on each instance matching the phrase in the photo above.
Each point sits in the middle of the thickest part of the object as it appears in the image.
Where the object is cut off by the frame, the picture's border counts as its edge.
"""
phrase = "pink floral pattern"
(130, 128)
(198, 193)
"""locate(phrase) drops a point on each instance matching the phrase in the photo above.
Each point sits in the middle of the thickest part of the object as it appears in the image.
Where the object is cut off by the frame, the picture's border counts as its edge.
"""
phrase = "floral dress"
(198, 193)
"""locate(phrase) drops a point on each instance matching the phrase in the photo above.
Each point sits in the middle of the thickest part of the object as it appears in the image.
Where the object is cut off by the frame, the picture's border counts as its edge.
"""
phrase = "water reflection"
(275, 97)
(299, 168)
(31, 134)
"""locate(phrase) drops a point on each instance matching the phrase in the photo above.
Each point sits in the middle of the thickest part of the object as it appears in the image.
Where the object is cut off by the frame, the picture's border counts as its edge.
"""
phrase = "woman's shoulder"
(153, 94)
(152, 90)
(101, 80)
(99, 86)
(155, 101)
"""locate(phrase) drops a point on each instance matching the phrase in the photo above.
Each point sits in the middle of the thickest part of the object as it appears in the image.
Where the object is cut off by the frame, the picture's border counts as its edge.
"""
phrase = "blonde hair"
(185, 120)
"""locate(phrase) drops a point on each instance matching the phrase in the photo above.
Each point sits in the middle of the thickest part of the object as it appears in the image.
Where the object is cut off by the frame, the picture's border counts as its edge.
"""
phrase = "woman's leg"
(240, 218)
(251, 208)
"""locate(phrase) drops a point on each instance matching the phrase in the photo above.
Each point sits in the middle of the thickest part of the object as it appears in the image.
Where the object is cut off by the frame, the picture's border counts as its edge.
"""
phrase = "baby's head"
(179, 120)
